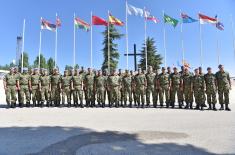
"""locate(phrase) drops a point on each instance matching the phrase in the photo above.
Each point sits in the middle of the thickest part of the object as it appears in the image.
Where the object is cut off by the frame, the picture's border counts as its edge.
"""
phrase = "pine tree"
(25, 59)
(43, 63)
(50, 65)
(154, 59)
(114, 54)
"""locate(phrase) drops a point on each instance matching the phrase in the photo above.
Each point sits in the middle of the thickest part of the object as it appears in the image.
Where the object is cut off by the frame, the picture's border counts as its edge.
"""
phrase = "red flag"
(206, 19)
(98, 21)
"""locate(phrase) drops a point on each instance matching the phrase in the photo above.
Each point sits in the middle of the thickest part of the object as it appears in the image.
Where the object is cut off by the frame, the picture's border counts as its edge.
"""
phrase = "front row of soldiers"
(119, 89)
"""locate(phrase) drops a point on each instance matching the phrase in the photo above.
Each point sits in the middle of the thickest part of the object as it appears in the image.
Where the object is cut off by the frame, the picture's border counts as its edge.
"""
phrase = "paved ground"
(124, 131)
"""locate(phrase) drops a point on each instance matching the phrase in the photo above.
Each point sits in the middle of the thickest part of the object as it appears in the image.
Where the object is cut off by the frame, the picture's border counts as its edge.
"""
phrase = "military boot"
(21, 105)
(34, 103)
(27, 104)
(227, 108)
(130, 104)
(214, 108)
(209, 106)
(191, 105)
(221, 107)
(187, 106)
(197, 107)
(202, 107)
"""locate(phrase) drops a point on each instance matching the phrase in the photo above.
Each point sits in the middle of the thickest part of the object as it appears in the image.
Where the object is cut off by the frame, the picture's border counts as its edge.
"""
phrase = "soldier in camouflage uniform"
(140, 85)
(83, 73)
(126, 85)
(186, 85)
(34, 87)
(17, 76)
(133, 91)
(198, 85)
(55, 87)
(202, 74)
(120, 74)
(88, 87)
(181, 93)
(106, 93)
(156, 89)
(164, 87)
(24, 79)
(99, 87)
(44, 87)
(224, 85)
(65, 88)
(150, 76)
(10, 87)
(175, 79)
(114, 88)
(211, 85)
(77, 88)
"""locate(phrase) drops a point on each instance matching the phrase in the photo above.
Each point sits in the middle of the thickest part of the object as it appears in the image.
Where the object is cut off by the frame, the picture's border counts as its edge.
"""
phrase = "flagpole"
(200, 29)
(217, 46)
(108, 47)
(127, 65)
(233, 33)
(74, 42)
(40, 46)
(145, 40)
(164, 39)
(22, 50)
(182, 40)
(91, 42)
(56, 43)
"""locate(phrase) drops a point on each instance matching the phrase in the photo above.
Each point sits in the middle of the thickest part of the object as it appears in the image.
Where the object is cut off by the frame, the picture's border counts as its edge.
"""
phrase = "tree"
(43, 63)
(114, 54)
(25, 59)
(50, 65)
(154, 59)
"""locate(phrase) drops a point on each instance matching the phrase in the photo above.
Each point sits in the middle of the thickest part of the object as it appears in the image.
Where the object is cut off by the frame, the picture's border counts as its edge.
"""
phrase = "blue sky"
(12, 13)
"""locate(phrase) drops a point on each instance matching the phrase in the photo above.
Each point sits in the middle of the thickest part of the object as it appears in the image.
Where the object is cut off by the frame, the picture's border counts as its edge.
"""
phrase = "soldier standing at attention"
(34, 87)
(99, 88)
(83, 73)
(181, 93)
(187, 88)
(140, 85)
(89, 88)
(133, 90)
(24, 79)
(164, 87)
(55, 87)
(175, 79)
(65, 88)
(10, 87)
(150, 76)
(114, 88)
(77, 88)
(17, 76)
(44, 87)
(106, 93)
(156, 89)
(224, 85)
(120, 74)
(126, 85)
(198, 86)
(211, 88)
(202, 74)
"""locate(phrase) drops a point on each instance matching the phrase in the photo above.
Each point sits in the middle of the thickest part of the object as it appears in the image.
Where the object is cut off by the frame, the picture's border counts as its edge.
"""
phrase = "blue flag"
(187, 19)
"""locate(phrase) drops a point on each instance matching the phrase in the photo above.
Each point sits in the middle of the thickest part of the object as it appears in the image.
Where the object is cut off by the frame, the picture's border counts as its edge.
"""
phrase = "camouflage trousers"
(35, 93)
(223, 95)
(164, 90)
(127, 94)
(175, 90)
(78, 94)
(66, 93)
(114, 94)
(55, 94)
(211, 96)
(45, 94)
(140, 92)
(10, 94)
(24, 90)
(134, 94)
(151, 90)
(100, 95)
(90, 94)
(199, 96)
(188, 95)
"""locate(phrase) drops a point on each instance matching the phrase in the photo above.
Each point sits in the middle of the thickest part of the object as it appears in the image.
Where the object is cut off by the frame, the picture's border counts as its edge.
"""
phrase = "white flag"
(131, 10)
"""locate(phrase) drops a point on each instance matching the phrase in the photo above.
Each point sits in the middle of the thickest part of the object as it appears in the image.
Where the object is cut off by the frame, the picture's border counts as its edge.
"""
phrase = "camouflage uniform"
(77, 81)
(114, 87)
(156, 90)
(65, 87)
(10, 89)
(45, 87)
(198, 84)
(224, 84)
(164, 83)
(121, 94)
(150, 76)
(55, 88)
(175, 88)
(133, 90)
(187, 89)
(89, 88)
(100, 89)
(35, 88)
(24, 79)
(181, 93)
(210, 81)
(140, 83)
(126, 85)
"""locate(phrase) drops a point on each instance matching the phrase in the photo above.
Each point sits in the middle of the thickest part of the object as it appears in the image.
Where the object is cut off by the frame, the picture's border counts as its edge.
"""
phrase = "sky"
(12, 13)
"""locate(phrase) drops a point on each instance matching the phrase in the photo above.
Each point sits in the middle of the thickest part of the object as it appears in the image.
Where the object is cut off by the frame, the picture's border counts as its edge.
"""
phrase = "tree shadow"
(81, 141)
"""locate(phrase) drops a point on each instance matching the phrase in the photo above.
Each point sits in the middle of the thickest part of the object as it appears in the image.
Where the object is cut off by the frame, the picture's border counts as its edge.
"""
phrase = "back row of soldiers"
(120, 88)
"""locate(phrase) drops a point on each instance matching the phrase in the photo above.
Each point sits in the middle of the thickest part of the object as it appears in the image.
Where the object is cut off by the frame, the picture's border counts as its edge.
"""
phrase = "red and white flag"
(206, 19)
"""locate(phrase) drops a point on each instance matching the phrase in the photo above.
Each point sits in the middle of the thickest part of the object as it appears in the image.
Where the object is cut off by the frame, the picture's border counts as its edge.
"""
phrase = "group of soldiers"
(139, 89)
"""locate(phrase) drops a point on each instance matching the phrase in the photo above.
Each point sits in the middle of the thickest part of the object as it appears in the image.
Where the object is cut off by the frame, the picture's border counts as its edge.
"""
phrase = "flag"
(219, 25)
(58, 22)
(206, 19)
(131, 10)
(99, 21)
(170, 20)
(81, 24)
(47, 25)
(113, 20)
(148, 16)
(187, 19)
